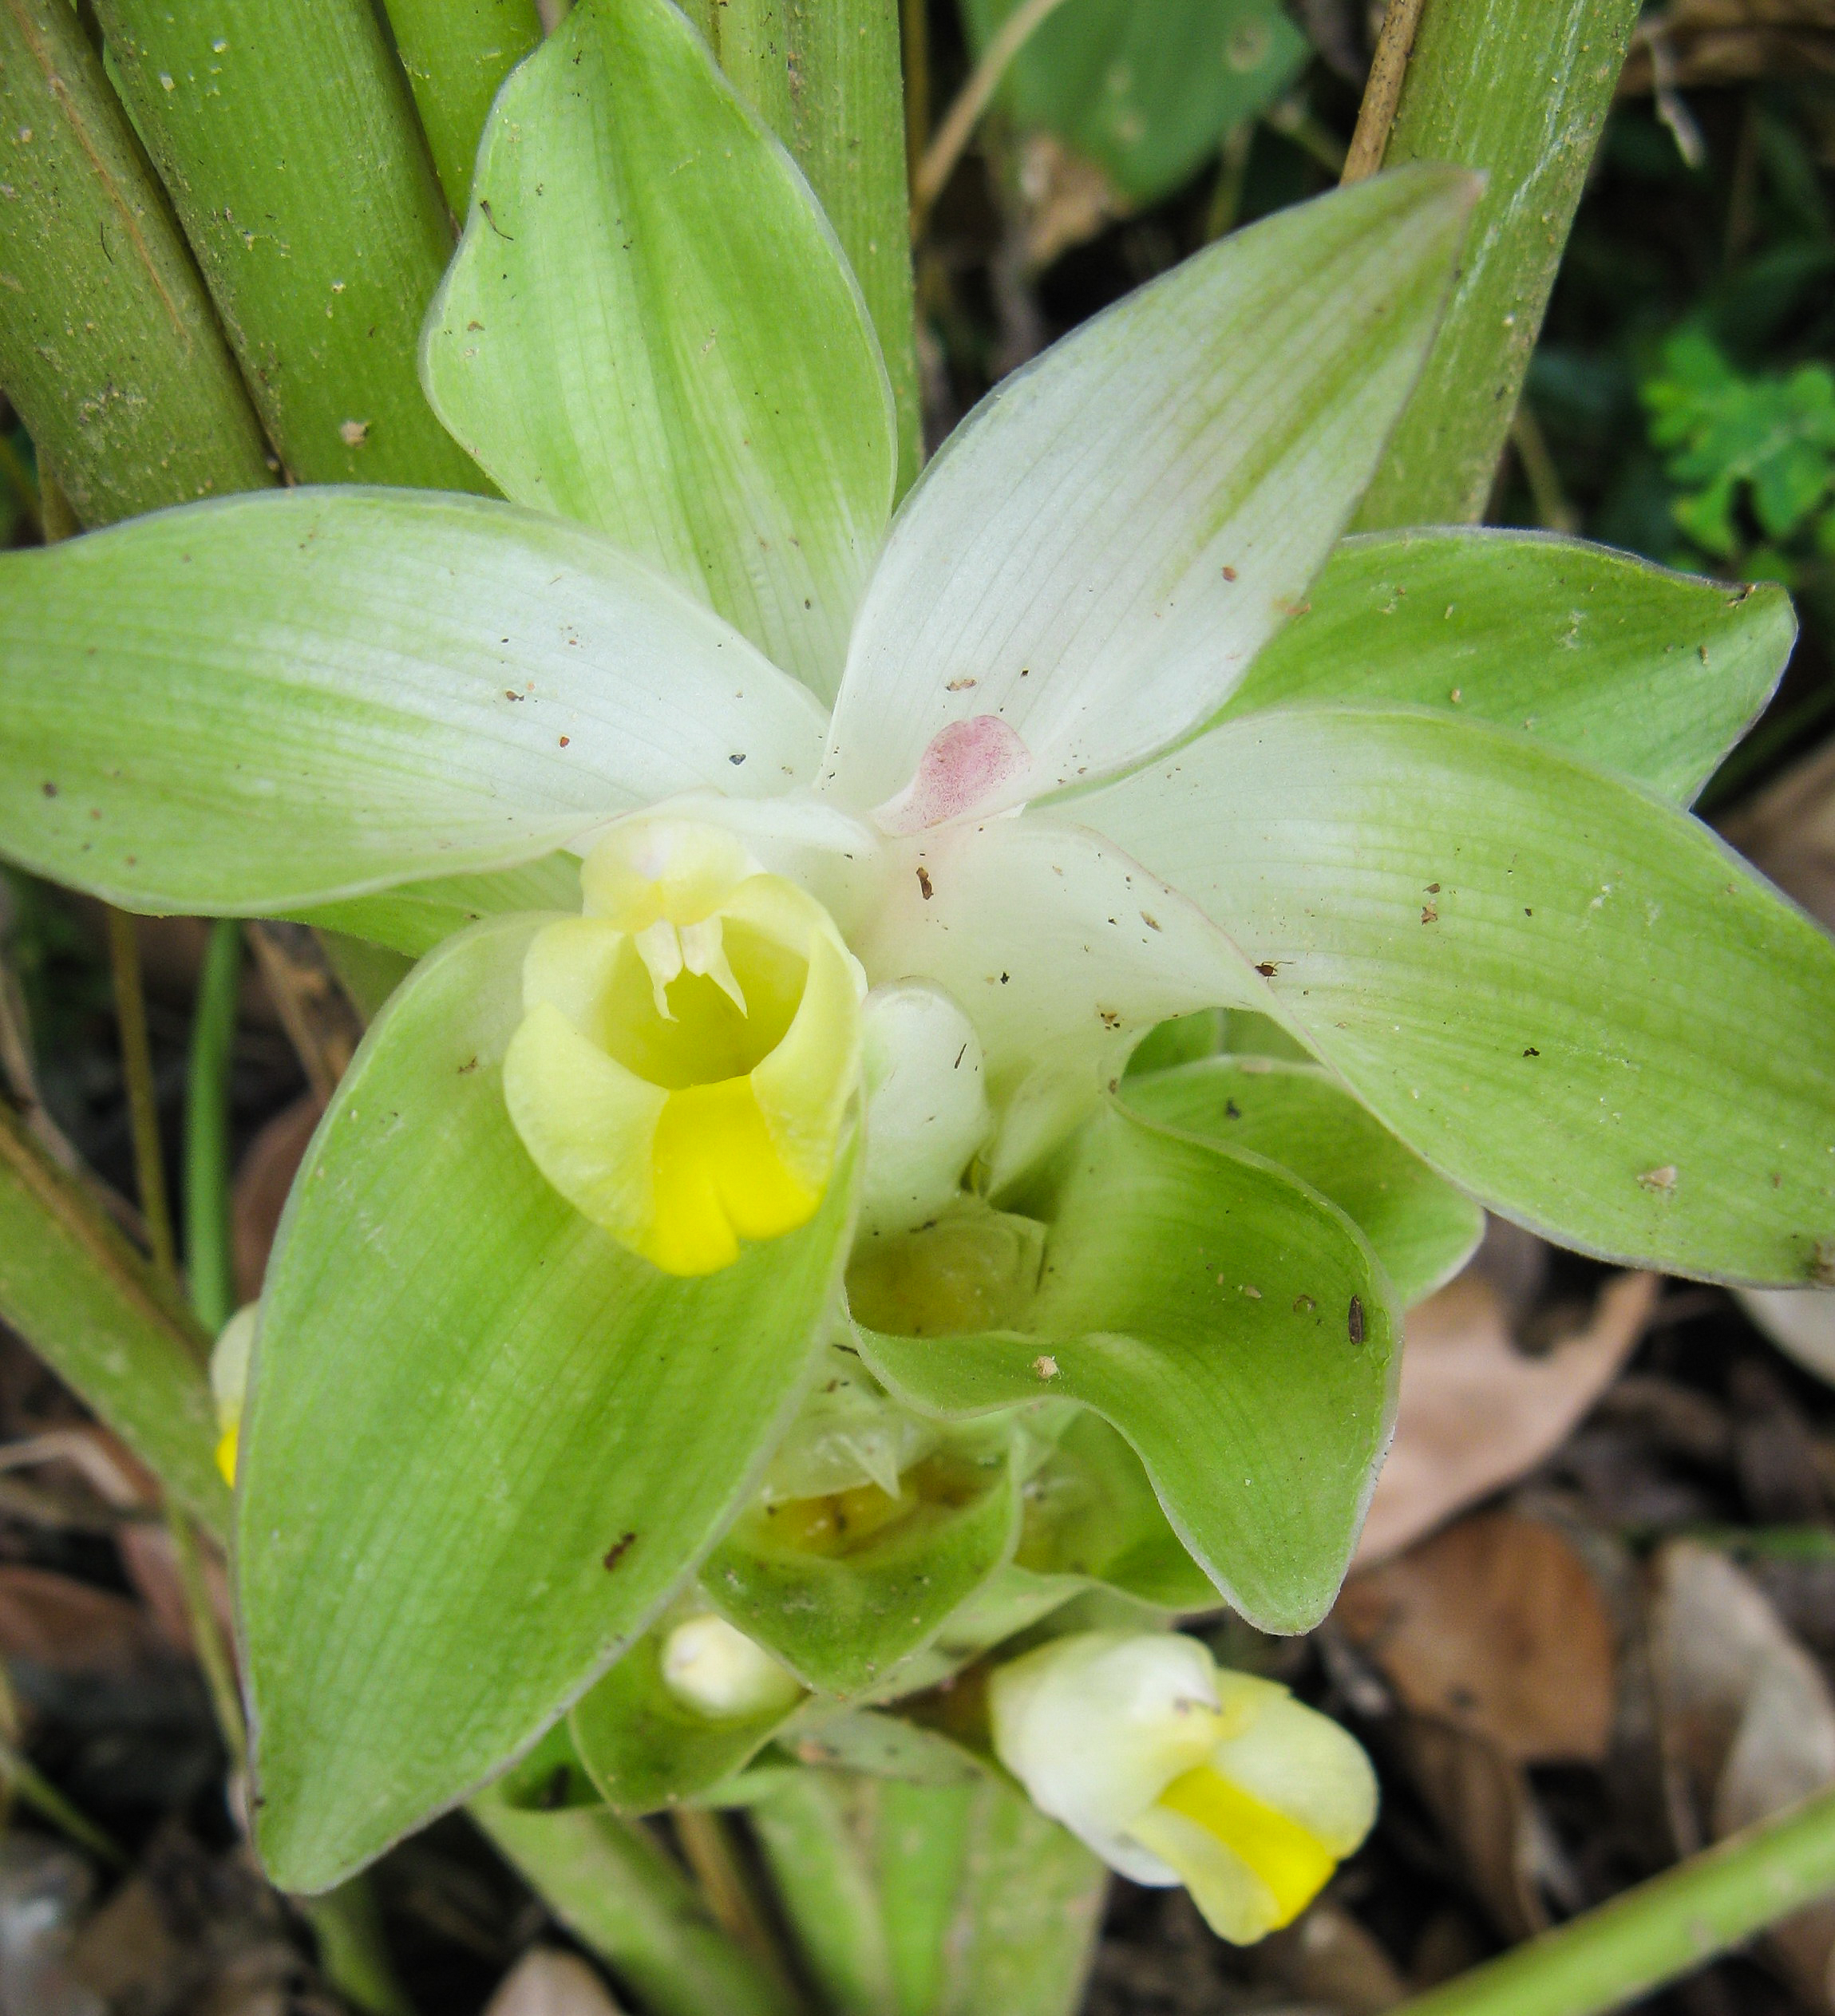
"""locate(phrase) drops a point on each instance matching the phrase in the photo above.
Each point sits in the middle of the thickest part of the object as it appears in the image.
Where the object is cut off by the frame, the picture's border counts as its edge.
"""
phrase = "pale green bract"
(487, 1447)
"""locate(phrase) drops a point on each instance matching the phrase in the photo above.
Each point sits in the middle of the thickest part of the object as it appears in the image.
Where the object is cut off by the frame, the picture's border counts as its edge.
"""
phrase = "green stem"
(945, 149)
(1663, 1929)
(106, 1324)
(353, 1954)
(825, 76)
(284, 130)
(37, 1792)
(456, 52)
(207, 1641)
(610, 1882)
(108, 345)
(206, 1129)
(143, 1105)
(1519, 89)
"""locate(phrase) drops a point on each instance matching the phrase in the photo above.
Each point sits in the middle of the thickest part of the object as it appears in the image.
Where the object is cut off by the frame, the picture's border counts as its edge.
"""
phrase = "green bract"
(1431, 829)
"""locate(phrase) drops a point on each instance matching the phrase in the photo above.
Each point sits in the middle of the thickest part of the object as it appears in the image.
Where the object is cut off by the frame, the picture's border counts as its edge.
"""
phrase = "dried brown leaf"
(1495, 1627)
(1476, 1413)
(545, 1983)
(1747, 1720)
(262, 1180)
(70, 1628)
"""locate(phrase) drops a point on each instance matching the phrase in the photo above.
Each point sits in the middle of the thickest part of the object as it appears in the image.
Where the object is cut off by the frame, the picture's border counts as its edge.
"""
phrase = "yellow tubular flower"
(689, 1047)
(229, 1360)
(1174, 1771)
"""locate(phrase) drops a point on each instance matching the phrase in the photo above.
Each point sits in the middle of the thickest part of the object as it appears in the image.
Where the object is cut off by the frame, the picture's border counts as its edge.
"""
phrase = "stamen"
(659, 947)
(704, 951)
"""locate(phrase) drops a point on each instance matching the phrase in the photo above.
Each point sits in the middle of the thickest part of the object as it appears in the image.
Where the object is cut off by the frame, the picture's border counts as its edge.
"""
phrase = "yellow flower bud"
(1174, 1771)
(229, 1360)
(688, 1048)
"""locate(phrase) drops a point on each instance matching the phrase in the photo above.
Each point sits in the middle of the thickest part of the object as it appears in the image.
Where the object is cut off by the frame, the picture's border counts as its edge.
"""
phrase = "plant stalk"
(1383, 93)
(286, 134)
(610, 1882)
(825, 76)
(206, 1129)
(143, 1102)
(109, 347)
(1519, 88)
(456, 52)
(1662, 1929)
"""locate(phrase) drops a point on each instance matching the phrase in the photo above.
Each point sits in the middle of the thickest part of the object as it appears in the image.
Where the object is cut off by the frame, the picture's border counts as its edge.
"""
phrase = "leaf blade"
(1297, 1115)
(1568, 997)
(551, 1432)
(248, 707)
(1258, 1420)
(710, 397)
(1636, 667)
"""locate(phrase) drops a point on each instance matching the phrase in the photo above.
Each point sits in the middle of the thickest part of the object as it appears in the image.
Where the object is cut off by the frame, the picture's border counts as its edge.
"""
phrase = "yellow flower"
(1174, 1771)
(229, 1360)
(688, 1048)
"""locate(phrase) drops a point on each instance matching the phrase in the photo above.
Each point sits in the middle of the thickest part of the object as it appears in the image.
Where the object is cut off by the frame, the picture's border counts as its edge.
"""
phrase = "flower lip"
(691, 1047)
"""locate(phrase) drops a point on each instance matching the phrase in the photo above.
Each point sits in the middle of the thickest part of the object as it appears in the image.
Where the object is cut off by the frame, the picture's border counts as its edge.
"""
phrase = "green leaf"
(1091, 1516)
(97, 1313)
(251, 707)
(1146, 88)
(879, 1746)
(651, 327)
(1571, 998)
(936, 1900)
(644, 1750)
(1259, 1416)
(485, 1443)
(1637, 668)
(839, 1596)
(1098, 551)
(616, 1887)
(1422, 1229)
(414, 917)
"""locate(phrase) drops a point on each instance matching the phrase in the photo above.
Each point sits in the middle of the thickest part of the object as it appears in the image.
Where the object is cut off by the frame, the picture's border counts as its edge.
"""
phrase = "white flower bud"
(1174, 1771)
(720, 1673)
(927, 1105)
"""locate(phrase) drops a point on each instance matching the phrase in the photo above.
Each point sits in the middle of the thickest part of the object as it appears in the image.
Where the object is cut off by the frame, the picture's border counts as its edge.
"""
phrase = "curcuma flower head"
(1176, 1771)
(688, 1048)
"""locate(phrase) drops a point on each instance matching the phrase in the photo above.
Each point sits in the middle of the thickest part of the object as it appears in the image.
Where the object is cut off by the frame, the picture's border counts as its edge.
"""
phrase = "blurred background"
(1594, 1623)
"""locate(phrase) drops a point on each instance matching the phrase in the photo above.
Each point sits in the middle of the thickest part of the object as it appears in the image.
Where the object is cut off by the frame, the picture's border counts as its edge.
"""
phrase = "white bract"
(1176, 1771)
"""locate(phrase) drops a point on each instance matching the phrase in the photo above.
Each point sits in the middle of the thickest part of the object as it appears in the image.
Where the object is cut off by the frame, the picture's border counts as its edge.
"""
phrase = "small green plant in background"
(1754, 455)
(1145, 89)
